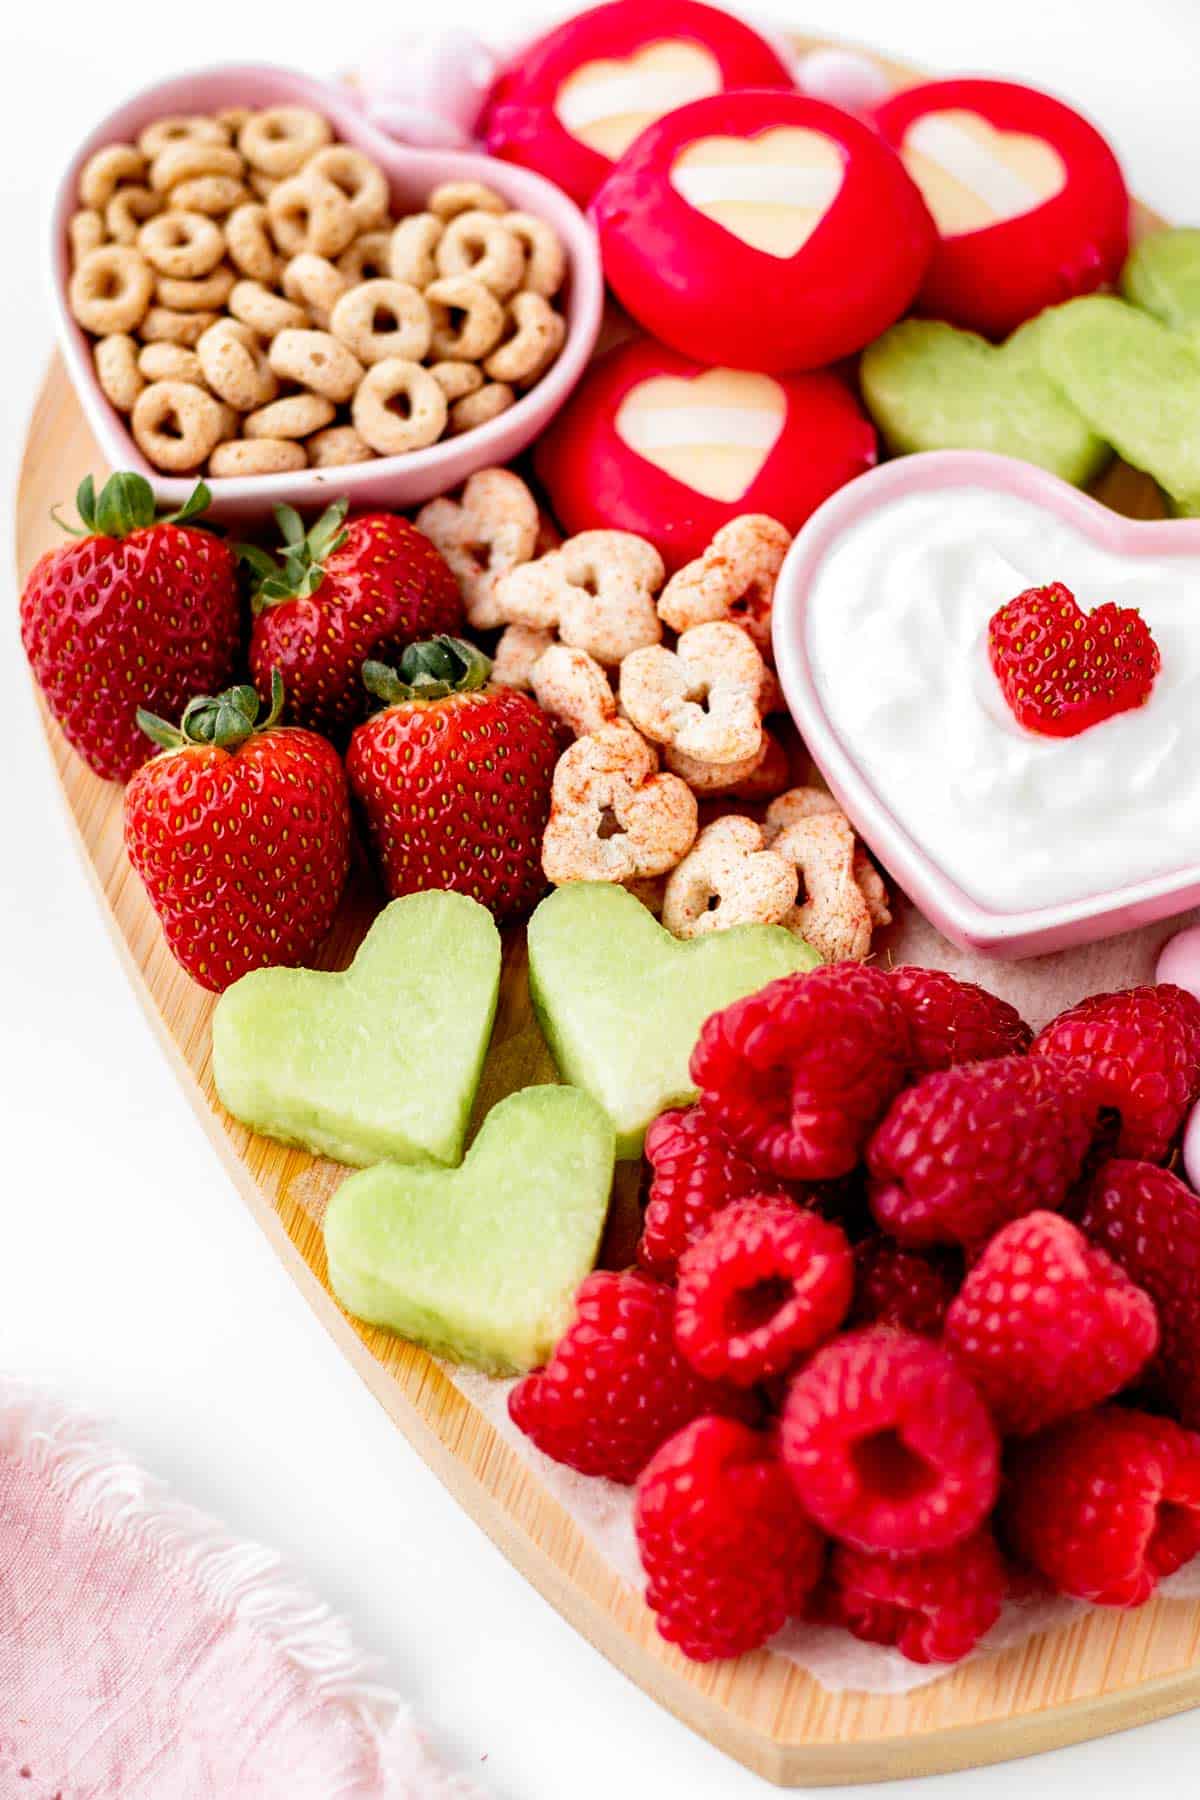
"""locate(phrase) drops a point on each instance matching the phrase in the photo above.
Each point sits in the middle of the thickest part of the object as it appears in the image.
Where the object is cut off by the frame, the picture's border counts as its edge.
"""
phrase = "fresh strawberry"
(1063, 669)
(241, 833)
(453, 777)
(138, 611)
(344, 591)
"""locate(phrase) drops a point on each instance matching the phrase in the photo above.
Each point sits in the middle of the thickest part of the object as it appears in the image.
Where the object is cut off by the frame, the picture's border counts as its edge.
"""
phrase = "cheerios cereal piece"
(362, 181)
(128, 210)
(176, 426)
(295, 416)
(183, 245)
(257, 456)
(728, 878)
(480, 408)
(162, 325)
(85, 232)
(105, 170)
(369, 257)
(490, 531)
(379, 319)
(181, 128)
(337, 448)
(834, 917)
(480, 245)
(468, 320)
(279, 140)
(517, 653)
(597, 591)
(539, 336)
(233, 118)
(211, 291)
(398, 407)
(457, 379)
(250, 244)
(316, 360)
(111, 289)
(236, 366)
(309, 212)
(734, 579)
(571, 686)
(411, 251)
(190, 159)
(613, 817)
(116, 359)
(170, 362)
(265, 311)
(702, 698)
(454, 197)
(545, 259)
(264, 185)
(316, 283)
(216, 195)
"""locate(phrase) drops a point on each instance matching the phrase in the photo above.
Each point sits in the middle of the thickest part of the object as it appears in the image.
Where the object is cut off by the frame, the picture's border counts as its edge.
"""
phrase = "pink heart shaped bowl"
(1007, 840)
(396, 481)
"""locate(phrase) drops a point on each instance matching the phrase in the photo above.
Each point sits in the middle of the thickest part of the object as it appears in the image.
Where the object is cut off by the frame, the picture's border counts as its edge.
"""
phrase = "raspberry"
(766, 1283)
(899, 1287)
(968, 1149)
(1142, 1049)
(616, 1387)
(728, 1553)
(1046, 1326)
(934, 1607)
(1147, 1220)
(889, 1444)
(696, 1174)
(797, 1074)
(1107, 1504)
(1062, 669)
(954, 1021)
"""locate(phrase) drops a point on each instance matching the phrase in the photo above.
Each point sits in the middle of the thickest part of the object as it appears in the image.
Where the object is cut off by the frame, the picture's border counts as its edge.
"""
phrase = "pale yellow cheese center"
(973, 175)
(605, 104)
(713, 433)
(771, 191)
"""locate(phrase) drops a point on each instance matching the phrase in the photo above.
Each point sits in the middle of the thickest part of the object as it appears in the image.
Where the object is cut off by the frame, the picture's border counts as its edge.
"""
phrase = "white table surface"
(130, 1271)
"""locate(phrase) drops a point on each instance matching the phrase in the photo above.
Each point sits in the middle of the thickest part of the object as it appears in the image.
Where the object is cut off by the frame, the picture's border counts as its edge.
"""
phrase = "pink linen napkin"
(146, 1655)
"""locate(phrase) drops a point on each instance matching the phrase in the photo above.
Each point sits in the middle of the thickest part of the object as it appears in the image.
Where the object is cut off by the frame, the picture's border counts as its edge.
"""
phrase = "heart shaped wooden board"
(1101, 1673)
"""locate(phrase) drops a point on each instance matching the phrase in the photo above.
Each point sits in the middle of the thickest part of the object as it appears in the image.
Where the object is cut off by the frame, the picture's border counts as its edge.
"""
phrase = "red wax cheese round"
(764, 230)
(574, 101)
(654, 443)
(1028, 199)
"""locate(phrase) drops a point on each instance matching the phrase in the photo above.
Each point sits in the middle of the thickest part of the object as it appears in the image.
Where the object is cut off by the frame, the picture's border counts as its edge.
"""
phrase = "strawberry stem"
(224, 720)
(429, 671)
(302, 568)
(126, 503)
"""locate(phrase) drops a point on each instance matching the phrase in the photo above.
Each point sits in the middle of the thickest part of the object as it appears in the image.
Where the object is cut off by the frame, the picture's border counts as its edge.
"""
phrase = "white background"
(129, 1269)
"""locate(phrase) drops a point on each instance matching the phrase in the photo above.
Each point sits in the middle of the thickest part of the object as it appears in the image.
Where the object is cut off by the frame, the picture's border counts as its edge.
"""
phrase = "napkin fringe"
(245, 1581)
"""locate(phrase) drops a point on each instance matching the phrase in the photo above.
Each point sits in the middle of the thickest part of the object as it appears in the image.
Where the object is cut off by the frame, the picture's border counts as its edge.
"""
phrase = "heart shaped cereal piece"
(621, 1001)
(1136, 382)
(379, 1060)
(481, 1263)
(929, 386)
(1162, 276)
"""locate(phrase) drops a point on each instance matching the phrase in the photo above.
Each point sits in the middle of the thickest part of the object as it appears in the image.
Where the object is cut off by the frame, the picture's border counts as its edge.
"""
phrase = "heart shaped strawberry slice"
(1063, 670)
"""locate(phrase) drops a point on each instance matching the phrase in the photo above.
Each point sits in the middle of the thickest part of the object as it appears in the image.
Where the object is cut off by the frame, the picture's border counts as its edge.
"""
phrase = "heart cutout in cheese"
(771, 191)
(713, 433)
(973, 175)
(607, 103)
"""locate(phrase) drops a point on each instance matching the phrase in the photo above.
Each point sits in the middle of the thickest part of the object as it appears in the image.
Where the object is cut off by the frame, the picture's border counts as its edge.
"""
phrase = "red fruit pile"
(898, 1313)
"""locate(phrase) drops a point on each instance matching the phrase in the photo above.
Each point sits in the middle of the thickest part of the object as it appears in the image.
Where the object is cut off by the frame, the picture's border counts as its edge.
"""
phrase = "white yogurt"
(897, 637)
